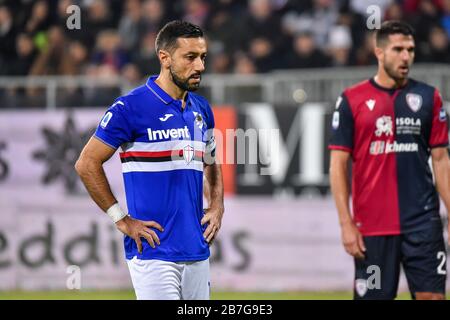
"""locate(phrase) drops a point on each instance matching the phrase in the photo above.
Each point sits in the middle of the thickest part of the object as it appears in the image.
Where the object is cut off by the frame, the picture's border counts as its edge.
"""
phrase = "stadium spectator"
(259, 20)
(130, 24)
(437, 49)
(339, 46)
(26, 54)
(262, 52)
(446, 16)
(145, 56)
(243, 64)
(364, 55)
(196, 11)
(54, 59)
(426, 16)
(305, 54)
(39, 20)
(98, 19)
(318, 20)
(153, 16)
(109, 52)
(7, 39)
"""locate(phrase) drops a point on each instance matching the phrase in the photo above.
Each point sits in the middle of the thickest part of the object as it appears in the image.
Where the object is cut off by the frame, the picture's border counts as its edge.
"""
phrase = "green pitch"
(129, 295)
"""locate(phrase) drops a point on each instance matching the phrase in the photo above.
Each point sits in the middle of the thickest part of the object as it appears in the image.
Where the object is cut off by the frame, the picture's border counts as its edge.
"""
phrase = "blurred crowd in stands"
(117, 37)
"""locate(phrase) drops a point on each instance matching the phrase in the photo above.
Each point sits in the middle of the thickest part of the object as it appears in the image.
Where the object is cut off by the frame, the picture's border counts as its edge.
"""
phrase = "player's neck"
(385, 81)
(165, 83)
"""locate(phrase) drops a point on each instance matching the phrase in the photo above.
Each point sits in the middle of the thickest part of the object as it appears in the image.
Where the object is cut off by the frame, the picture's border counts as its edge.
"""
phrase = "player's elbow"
(82, 165)
(79, 166)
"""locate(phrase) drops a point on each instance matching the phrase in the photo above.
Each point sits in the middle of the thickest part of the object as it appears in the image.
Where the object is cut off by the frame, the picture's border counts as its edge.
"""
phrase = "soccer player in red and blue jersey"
(388, 127)
(165, 132)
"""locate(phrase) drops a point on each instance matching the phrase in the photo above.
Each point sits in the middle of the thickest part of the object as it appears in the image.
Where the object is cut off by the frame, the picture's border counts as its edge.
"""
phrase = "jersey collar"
(157, 91)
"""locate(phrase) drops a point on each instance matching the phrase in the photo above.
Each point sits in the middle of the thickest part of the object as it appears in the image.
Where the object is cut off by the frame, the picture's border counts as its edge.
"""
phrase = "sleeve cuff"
(105, 142)
(342, 148)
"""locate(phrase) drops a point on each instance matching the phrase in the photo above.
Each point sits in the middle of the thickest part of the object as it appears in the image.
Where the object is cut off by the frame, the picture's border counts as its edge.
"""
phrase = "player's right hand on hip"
(137, 229)
(353, 240)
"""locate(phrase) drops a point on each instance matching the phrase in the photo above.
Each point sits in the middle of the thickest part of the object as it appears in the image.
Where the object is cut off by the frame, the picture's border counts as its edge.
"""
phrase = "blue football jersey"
(163, 150)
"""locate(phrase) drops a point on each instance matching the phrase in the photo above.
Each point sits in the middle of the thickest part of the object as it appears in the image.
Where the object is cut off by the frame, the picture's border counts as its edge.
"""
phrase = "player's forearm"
(341, 191)
(94, 179)
(213, 174)
(441, 169)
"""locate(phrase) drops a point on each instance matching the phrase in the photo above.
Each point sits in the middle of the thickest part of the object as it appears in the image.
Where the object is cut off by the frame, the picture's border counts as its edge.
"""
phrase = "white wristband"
(116, 213)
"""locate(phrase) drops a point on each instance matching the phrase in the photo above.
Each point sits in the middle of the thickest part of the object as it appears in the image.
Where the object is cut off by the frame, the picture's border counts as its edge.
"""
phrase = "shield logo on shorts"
(188, 154)
(414, 101)
(361, 287)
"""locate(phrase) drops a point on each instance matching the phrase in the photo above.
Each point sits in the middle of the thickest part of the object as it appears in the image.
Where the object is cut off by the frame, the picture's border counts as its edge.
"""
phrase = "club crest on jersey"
(361, 287)
(188, 154)
(384, 126)
(414, 101)
(198, 120)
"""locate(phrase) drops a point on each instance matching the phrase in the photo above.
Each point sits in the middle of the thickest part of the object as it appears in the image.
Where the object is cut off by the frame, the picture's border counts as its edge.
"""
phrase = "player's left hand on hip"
(213, 216)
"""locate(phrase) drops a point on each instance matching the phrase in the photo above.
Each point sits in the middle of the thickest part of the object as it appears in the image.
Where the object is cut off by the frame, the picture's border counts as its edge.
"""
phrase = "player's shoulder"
(357, 88)
(136, 95)
(134, 98)
(417, 85)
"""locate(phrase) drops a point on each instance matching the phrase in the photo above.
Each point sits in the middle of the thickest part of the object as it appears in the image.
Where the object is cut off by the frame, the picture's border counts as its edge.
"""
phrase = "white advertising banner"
(48, 222)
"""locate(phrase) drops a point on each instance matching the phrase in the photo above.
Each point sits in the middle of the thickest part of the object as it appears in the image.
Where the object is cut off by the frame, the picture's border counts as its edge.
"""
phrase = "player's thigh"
(425, 260)
(155, 279)
(195, 283)
(377, 275)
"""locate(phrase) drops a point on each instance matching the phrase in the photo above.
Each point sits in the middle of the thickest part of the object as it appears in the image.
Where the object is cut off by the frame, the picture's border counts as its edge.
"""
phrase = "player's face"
(188, 63)
(398, 56)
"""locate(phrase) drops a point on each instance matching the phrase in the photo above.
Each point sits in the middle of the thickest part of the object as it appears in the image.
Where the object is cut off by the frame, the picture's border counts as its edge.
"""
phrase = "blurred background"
(272, 64)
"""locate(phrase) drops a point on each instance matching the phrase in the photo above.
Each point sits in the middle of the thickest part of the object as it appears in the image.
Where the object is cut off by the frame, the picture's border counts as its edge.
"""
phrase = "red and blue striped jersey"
(390, 134)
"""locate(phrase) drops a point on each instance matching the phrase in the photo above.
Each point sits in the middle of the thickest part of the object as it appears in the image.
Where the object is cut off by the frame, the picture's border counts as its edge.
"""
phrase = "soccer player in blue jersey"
(165, 132)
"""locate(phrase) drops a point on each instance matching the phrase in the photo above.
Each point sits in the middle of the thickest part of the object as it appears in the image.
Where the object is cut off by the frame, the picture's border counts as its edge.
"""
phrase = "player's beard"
(391, 71)
(183, 83)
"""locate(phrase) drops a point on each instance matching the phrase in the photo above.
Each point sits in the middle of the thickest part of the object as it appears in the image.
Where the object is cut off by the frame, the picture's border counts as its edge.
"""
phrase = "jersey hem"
(381, 233)
(175, 259)
(396, 232)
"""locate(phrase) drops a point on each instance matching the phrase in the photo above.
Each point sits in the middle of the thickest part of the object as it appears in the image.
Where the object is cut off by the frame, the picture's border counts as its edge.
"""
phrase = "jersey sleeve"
(439, 124)
(114, 128)
(342, 126)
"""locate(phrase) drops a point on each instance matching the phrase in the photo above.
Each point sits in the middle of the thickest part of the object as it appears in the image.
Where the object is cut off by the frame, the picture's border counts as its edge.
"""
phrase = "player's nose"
(199, 65)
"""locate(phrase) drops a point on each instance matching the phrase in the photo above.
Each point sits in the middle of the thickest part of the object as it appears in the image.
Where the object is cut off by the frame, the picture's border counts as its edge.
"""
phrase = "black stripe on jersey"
(156, 159)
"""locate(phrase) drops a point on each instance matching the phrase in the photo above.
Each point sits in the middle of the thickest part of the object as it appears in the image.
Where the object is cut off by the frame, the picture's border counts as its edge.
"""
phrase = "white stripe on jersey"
(133, 166)
(163, 145)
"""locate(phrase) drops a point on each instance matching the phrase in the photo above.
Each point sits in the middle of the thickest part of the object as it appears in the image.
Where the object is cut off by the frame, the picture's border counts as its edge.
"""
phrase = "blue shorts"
(421, 254)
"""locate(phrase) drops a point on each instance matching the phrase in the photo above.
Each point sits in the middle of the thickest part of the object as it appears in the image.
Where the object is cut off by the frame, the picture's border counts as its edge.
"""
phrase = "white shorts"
(164, 280)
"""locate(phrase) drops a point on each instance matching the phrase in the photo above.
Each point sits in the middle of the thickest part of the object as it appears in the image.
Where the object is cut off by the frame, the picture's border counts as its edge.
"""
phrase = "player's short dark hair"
(168, 35)
(392, 27)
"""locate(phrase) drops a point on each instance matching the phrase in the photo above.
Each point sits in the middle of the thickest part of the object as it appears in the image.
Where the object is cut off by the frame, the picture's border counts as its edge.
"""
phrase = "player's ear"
(164, 58)
(379, 52)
